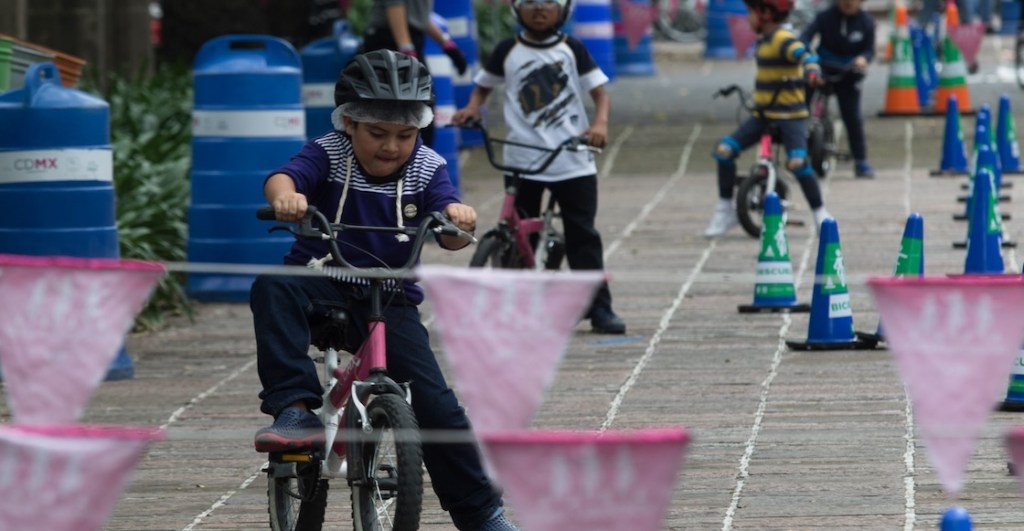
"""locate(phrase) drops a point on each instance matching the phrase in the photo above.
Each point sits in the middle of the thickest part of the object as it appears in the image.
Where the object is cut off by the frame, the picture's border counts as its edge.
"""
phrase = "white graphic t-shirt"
(545, 86)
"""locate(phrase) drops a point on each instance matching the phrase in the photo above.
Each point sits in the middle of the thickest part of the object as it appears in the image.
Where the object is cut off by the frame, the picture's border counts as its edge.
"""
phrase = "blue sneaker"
(293, 429)
(863, 170)
(498, 522)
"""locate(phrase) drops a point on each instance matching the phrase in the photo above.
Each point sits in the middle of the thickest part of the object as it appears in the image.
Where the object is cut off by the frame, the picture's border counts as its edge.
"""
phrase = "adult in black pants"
(403, 26)
(846, 39)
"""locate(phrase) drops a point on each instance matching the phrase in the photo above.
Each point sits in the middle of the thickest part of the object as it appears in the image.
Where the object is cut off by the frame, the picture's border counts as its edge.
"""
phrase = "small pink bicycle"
(379, 437)
(517, 241)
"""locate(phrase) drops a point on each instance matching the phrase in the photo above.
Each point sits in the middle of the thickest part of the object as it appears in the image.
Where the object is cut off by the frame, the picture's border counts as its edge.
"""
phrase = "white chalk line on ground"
(909, 487)
(666, 318)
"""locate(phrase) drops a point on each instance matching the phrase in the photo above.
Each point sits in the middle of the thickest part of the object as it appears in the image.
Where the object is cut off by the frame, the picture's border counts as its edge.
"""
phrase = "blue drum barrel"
(247, 120)
(446, 139)
(322, 61)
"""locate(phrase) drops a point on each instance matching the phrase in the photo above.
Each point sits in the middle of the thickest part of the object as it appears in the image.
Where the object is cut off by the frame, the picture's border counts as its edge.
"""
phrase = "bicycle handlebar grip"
(266, 214)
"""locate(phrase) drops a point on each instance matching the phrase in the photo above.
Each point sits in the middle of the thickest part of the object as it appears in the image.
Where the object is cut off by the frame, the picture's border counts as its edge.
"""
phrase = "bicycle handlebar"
(745, 99)
(576, 143)
(315, 226)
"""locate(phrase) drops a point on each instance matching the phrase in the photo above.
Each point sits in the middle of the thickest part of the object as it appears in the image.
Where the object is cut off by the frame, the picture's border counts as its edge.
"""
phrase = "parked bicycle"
(372, 437)
(764, 175)
(516, 241)
(821, 133)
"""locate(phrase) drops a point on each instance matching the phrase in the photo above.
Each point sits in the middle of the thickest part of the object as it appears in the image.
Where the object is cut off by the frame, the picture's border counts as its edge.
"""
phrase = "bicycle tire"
(385, 469)
(678, 21)
(1018, 60)
(817, 148)
(297, 503)
(750, 201)
(495, 250)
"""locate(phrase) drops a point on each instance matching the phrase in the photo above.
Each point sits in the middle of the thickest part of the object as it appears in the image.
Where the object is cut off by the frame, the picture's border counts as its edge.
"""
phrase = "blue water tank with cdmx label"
(322, 61)
(247, 121)
(56, 176)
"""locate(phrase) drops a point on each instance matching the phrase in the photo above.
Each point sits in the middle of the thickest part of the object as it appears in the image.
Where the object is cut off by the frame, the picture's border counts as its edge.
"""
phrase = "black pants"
(847, 93)
(280, 306)
(381, 39)
(577, 201)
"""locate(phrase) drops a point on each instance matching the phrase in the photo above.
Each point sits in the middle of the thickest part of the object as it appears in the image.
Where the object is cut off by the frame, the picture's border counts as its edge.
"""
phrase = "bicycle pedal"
(795, 222)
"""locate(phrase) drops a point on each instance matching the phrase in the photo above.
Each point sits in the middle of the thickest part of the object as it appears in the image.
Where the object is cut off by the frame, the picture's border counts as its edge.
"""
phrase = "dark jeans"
(280, 306)
(577, 201)
(847, 93)
(381, 39)
(794, 137)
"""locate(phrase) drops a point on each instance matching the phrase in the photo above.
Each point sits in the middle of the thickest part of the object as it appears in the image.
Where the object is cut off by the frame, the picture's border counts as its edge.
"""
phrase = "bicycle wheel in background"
(385, 467)
(821, 145)
(495, 250)
(1018, 60)
(297, 496)
(750, 199)
(681, 20)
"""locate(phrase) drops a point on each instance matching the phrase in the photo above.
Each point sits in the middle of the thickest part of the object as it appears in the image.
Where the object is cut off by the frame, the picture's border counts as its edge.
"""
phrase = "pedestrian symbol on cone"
(909, 262)
(773, 284)
(831, 323)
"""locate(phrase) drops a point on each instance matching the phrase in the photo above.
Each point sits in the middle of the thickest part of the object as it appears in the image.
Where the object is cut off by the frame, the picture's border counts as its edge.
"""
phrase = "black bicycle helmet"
(564, 5)
(384, 75)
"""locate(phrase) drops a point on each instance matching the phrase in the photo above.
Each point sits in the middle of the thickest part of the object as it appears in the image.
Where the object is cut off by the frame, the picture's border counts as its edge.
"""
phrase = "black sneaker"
(293, 429)
(604, 321)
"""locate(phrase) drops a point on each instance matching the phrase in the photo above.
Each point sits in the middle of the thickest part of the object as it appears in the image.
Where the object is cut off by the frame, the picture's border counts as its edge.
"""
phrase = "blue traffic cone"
(1006, 138)
(831, 323)
(954, 153)
(909, 262)
(121, 368)
(774, 290)
(956, 519)
(985, 231)
(985, 157)
(1014, 400)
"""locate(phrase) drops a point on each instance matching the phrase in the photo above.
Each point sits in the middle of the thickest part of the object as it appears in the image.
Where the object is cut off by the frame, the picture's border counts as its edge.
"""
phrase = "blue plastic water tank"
(56, 176)
(461, 20)
(592, 25)
(632, 58)
(322, 61)
(247, 120)
(718, 42)
(446, 139)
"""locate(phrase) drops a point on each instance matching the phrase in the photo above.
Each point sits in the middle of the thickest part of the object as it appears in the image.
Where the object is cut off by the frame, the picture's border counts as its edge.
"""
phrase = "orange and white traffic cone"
(952, 78)
(901, 95)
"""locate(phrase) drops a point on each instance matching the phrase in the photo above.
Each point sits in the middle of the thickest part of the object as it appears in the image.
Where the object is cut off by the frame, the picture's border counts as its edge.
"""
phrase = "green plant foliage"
(358, 14)
(494, 23)
(151, 122)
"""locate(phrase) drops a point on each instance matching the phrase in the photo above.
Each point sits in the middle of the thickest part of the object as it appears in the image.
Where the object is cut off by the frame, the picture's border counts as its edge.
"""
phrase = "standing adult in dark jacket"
(846, 39)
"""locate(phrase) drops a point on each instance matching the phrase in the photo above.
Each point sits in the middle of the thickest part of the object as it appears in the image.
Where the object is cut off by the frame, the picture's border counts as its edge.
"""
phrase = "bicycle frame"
(522, 228)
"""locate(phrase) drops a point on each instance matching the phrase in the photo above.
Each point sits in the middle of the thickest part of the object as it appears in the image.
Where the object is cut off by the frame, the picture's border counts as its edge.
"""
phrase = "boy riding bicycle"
(781, 59)
(546, 73)
(374, 170)
(846, 46)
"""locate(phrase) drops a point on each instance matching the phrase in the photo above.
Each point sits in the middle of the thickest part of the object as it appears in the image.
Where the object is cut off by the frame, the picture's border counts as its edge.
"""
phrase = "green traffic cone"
(909, 262)
(774, 290)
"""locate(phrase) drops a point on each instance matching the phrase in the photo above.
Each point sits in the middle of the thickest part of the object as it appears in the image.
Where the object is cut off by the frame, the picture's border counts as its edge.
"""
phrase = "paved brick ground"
(782, 439)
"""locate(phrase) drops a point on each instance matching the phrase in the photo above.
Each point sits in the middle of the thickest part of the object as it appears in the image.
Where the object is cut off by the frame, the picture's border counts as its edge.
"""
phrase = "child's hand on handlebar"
(462, 216)
(466, 114)
(596, 135)
(860, 64)
(290, 206)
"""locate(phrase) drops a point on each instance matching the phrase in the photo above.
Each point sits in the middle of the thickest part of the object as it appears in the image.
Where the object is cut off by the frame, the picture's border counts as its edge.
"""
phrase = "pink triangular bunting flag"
(69, 321)
(743, 38)
(504, 334)
(564, 480)
(967, 38)
(954, 340)
(65, 478)
(636, 20)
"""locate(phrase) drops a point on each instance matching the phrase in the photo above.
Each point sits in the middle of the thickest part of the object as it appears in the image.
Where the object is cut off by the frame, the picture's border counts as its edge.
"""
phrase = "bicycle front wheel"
(680, 20)
(495, 250)
(385, 467)
(297, 496)
(750, 200)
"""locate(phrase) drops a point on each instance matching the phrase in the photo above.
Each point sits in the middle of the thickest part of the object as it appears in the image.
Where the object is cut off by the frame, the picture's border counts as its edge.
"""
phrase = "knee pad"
(797, 161)
(728, 150)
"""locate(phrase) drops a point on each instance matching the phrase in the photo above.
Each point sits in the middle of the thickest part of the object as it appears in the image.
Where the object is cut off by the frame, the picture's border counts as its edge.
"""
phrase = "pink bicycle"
(378, 450)
(517, 241)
